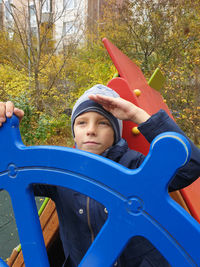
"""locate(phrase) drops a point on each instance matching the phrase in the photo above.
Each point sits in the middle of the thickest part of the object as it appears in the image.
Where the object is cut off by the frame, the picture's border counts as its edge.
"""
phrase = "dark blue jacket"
(81, 217)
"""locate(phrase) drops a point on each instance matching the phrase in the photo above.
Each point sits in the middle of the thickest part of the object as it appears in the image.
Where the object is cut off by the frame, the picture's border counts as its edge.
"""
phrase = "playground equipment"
(131, 78)
(133, 208)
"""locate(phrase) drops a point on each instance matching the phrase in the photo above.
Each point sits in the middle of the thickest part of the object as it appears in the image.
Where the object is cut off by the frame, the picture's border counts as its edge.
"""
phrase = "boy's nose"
(91, 130)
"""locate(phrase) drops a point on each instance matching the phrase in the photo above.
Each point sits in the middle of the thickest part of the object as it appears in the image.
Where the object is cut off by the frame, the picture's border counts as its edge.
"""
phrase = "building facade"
(68, 18)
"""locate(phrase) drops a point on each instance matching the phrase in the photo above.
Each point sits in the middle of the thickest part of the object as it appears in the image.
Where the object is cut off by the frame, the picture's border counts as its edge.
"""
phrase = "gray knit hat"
(84, 104)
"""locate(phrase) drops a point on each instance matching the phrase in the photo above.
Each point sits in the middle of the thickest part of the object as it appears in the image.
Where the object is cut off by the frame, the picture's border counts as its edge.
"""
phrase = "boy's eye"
(80, 122)
(104, 123)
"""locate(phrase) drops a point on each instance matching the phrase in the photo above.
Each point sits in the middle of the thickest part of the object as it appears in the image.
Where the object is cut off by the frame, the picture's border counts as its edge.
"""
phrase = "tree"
(13, 83)
(36, 56)
(39, 51)
(161, 34)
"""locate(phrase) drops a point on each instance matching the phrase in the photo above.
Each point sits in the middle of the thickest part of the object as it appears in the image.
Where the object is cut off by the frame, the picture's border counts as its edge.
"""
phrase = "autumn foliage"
(46, 82)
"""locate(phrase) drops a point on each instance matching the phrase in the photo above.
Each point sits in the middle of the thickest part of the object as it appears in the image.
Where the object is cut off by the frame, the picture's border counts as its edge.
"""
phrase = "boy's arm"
(159, 123)
(150, 127)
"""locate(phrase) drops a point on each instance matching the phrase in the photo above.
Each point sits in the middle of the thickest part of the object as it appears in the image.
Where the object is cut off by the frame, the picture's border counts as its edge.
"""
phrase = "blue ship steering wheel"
(137, 200)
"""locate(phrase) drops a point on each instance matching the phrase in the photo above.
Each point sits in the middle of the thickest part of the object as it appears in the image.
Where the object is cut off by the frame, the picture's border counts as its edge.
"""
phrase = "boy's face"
(93, 132)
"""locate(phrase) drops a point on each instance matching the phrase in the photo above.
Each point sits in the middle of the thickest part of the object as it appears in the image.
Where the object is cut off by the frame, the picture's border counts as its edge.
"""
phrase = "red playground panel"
(191, 195)
(132, 78)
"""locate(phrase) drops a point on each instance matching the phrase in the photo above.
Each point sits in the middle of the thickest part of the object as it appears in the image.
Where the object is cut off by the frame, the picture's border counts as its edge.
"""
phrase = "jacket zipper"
(88, 219)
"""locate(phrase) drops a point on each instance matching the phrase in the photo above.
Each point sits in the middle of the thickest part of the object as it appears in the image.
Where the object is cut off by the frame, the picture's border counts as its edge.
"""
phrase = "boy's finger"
(19, 113)
(9, 109)
(103, 100)
(2, 112)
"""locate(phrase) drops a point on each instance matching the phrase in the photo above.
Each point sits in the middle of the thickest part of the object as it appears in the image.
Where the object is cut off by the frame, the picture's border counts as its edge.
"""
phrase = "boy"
(97, 127)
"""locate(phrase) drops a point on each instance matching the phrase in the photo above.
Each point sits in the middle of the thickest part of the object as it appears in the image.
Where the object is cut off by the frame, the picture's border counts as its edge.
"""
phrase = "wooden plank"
(50, 227)
(176, 195)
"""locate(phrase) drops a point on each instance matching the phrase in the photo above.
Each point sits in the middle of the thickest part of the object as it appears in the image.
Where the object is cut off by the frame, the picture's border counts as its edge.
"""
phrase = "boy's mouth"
(90, 143)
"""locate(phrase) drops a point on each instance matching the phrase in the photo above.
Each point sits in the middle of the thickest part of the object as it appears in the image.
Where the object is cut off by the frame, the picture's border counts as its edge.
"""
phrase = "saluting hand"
(121, 108)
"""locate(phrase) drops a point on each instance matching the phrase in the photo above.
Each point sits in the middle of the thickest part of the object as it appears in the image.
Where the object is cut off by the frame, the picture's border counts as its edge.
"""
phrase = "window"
(8, 10)
(32, 14)
(69, 28)
(69, 4)
(46, 6)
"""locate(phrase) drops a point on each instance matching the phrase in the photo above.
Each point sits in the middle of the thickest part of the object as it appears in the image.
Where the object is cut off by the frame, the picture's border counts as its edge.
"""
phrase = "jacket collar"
(116, 151)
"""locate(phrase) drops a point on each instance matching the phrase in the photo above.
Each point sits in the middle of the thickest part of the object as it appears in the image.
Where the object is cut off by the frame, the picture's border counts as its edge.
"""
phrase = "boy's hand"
(121, 109)
(7, 109)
